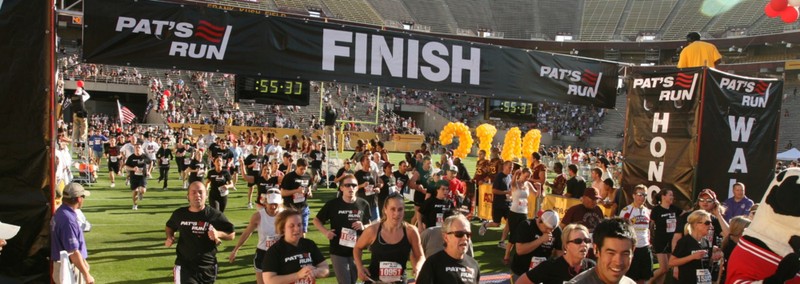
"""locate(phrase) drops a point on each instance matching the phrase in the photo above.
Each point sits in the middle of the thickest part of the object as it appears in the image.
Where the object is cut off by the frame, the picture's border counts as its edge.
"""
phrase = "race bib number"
(671, 224)
(390, 272)
(138, 172)
(298, 197)
(523, 203)
(257, 166)
(439, 219)
(91, 143)
(187, 162)
(369, 190)
(223, 191)
(165, 161)
(271, 240)
(348, 237)
(113, 159)
(307, 280)
(703, 276)
(535, 261)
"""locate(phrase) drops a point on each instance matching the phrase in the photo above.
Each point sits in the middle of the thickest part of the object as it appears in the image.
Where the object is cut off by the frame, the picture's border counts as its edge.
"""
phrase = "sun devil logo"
(756, 93)
(582, 84)
(201, 40)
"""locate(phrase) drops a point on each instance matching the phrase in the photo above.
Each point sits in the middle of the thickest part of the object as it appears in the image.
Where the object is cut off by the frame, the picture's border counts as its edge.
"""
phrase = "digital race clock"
(274, 91)
(510, 110)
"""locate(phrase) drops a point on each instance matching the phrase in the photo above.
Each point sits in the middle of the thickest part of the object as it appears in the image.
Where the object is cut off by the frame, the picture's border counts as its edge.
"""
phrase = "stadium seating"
(472, 14)
(516, 18)
(600, 19)
(433, 13)
(687, 18)
(392, 10)
(354, 10)
(558, 17)
(742, 15)
(646, 16)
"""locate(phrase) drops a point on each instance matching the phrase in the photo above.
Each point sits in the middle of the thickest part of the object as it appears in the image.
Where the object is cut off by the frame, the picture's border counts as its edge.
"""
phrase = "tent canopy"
(790, 155)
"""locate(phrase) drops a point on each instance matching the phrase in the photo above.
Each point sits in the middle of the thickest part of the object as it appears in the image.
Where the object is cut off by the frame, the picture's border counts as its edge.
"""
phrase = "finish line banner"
(661, 132)
(166, 35)
(739, 133)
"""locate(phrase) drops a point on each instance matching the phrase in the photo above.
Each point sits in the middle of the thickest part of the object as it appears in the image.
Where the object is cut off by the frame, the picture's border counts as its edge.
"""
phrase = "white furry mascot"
(769, 251)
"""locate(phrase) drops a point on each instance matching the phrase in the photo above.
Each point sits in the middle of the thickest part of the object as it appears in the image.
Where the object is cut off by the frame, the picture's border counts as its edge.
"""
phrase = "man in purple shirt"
(66, 235)
(739, 204)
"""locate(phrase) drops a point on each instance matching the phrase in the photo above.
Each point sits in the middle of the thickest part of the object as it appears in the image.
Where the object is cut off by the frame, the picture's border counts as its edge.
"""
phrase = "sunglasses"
(349, 185)
(641, 194)
(580, 241)
(707, 223)
(460, 234)
(707, 200)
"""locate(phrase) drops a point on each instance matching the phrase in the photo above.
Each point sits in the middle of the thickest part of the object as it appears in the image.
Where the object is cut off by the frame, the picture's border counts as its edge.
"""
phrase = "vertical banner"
(738, 140)
(661, 132)
(485, 204)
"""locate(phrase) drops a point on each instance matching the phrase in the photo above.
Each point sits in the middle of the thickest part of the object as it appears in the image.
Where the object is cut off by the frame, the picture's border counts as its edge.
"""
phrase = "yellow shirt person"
(698, 53)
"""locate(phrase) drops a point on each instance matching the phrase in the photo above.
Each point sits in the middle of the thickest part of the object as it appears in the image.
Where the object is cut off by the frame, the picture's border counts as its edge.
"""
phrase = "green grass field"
(127, 246)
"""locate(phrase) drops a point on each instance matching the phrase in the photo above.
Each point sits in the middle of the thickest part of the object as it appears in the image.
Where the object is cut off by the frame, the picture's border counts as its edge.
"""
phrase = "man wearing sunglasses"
(639, 216)
(614, 241)
(452, 265)
(66, 235)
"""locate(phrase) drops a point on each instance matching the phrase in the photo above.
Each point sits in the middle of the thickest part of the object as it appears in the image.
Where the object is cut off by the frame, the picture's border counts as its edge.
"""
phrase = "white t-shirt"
(640, 218)
(150, 149)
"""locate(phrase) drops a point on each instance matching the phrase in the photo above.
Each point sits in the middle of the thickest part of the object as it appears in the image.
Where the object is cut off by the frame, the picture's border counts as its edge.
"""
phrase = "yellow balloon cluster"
(512, 146)
(530, 143)
(464, 138)
(485, 133)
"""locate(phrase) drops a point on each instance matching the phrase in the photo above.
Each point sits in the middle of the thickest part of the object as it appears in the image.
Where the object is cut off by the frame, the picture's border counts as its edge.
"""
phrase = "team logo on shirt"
(467, 274)
(302, 258)
(197, 227)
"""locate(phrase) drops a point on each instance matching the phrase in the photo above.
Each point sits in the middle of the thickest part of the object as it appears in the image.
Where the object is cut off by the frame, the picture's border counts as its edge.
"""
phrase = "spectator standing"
(739, 204)
(587, 213)
(66, 235)
(576, 185)
(698, 53)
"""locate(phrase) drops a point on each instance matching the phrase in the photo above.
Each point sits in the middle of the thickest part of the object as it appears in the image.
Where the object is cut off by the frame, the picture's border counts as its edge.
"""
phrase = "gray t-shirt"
(590, 277)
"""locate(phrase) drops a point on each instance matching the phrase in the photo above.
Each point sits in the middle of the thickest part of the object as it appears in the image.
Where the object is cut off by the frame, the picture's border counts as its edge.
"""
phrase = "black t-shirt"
(401, 181)
(500, 184)
(342, 215)
(293, 181)
(163, 156)
(714, 233)
(557, 270)
(285, 169)
(256, 162)
(180, 152)
(424, 180)
(113, 154)
(343, 171)
(264, 184)
(688, 271)
(283, 258)
(666, 224)
(388, 181)
(194, 247)
(441, 268)
(527, 231)
(218, 178)
(213, 149)
(200, 169)
(361, 177)
(576, 187)
(316, 159)
(435, 210)
(141, 161)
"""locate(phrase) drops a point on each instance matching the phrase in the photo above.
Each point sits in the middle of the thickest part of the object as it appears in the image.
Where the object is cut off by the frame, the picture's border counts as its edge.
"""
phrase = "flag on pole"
(125, 114)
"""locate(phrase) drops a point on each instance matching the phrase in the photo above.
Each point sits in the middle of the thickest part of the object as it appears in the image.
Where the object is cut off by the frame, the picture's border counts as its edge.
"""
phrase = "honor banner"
(661, 132)
(738, 140)
(244, 41)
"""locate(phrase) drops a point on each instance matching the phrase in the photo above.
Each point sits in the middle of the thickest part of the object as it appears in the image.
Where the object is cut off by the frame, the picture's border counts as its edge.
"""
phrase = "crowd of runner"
(283, 173)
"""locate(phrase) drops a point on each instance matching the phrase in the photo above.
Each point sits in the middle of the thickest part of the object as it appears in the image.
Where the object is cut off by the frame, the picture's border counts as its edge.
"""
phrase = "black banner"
(661, 132)
(244, 41)
(739, 133)
(26, 88)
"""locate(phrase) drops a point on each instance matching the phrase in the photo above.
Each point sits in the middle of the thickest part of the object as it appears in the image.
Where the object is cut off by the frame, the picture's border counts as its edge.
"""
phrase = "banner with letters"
(661, 132)
(218, 38)
(738, 141)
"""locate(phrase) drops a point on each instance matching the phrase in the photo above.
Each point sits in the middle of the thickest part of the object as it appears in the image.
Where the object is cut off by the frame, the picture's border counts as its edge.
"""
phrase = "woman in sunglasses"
(706, 201)
(692, 254)
(576, 244)
(262, 220)
(390, 241)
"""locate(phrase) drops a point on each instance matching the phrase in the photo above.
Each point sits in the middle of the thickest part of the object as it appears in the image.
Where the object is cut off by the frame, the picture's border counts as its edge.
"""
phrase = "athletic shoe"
(112, 184)
(482, 230)
(233, 188)
(164, 188)
(501, 244)
(127, 182)
(135, 207)
(250, 205)
(185, 184)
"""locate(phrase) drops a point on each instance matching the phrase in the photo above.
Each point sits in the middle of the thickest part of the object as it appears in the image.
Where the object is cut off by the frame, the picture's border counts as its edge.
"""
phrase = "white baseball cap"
(273, 196)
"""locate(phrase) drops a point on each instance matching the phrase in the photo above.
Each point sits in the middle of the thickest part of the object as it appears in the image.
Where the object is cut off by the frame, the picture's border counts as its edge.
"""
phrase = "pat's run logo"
(755, 93)
(584, 83)
(194, 40)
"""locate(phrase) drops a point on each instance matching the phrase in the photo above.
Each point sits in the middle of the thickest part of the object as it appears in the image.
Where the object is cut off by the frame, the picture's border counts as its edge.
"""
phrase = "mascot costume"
(769, 250)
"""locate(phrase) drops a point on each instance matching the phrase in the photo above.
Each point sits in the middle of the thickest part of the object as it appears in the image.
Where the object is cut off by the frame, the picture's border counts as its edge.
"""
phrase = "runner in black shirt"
(293, 259)
(196, 169)
(452, 265)
(348, 216)
(252, 167)
(436, 208)
(387, 183)
(219, 182)
(294, 189)
(287, 166)
(401, 177)
(343, 171)
(201, 229)
(317, 157)
(164, 156)
(576, 242)
(664, 217)
(367, 186)
(182, 160)
(694, 253)
(114, 159)
(535, 241)
(137, 164)
(265, 181)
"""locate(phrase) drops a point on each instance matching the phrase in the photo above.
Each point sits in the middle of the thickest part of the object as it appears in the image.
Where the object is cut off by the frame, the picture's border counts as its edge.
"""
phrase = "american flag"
(125, 114)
